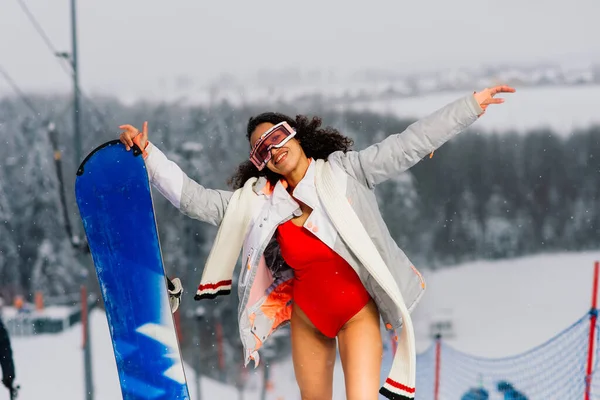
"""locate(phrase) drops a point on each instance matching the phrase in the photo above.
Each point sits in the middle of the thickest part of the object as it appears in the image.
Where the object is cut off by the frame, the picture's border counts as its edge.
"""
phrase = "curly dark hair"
(317, 143)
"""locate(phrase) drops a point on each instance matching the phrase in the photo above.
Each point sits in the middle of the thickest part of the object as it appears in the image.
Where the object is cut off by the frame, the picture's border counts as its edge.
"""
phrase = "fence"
(57, 315)
(562, 368)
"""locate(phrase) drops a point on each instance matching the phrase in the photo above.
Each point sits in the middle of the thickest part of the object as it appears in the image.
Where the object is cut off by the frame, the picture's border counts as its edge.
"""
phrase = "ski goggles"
(276, 137)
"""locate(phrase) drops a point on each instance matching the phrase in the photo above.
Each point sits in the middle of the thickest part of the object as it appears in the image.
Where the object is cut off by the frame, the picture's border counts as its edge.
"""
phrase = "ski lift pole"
(87, 354)
(200, 315)
(53, 136)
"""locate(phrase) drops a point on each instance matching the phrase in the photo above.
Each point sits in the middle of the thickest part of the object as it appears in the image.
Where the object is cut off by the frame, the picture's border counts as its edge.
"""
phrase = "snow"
(498, 308)
(561, 105)
(515, 304)
(53, 312)
(562, 109)
(51, 366)
(503, 313)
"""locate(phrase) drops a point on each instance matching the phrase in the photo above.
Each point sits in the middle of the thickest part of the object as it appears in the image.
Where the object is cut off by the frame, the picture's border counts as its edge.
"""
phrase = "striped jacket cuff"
(396, 391)
(212, 290)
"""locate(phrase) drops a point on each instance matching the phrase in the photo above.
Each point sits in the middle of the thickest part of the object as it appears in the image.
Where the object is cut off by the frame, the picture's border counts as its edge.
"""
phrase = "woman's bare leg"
(313, 355)
(361, 351)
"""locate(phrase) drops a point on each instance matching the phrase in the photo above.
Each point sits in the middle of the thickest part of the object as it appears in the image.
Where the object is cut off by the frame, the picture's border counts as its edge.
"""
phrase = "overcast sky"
(132, 43)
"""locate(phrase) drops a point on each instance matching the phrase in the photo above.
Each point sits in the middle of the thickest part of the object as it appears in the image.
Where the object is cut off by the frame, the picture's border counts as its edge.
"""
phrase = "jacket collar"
(306, 191)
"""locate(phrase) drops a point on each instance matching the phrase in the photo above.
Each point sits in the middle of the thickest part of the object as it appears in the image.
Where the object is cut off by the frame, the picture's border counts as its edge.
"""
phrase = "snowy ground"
(51, 366)
(514, 304)
(562, 109)
(497, 309)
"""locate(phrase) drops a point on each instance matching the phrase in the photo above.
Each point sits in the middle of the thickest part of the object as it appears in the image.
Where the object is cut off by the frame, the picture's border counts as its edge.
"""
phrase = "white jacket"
(347, 218)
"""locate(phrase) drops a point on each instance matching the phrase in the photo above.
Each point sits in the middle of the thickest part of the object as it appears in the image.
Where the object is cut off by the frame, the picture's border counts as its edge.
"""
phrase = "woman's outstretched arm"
(399, 152)
(191, 198)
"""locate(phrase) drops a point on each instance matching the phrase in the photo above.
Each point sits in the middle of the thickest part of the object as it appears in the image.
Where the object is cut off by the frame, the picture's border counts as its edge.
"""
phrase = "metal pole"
(87, 355)
(266, 378)
(76, 100)
(200, 313)
(198, 365)
(53, 134)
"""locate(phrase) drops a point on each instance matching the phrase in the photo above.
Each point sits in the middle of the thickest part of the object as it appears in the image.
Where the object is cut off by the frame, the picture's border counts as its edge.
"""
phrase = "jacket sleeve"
(6, 358)
(191, 198)
(399, 152)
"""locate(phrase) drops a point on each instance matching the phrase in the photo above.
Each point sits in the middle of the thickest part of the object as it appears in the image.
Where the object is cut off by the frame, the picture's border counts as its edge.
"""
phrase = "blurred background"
(503, 221)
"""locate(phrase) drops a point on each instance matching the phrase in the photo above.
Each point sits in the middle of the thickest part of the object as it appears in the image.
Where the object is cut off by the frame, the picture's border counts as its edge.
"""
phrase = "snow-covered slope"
(51, 367)
(497, 309)
(562, 109)
(513, 304)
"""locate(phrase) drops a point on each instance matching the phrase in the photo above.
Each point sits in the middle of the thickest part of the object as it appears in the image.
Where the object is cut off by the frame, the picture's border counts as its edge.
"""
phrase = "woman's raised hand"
(486, 96)
(131, 135)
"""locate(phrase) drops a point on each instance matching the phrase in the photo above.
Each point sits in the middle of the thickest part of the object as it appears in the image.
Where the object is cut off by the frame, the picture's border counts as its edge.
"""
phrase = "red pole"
(438, 356)
(593, 318)
(220, 346)
(177, 319)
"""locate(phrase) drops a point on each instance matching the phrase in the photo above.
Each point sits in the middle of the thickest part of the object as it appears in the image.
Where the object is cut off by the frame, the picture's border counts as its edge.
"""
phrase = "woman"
(306, 219)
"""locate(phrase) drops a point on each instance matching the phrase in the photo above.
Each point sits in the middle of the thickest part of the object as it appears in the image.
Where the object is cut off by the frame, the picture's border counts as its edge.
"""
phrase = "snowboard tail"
(114, 197)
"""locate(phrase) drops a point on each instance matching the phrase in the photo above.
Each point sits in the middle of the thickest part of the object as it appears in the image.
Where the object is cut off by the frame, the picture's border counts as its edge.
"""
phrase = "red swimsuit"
(326, 287)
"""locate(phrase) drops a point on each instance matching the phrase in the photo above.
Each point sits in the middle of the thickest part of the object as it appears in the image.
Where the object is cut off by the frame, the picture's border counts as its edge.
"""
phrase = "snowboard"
(114, 197)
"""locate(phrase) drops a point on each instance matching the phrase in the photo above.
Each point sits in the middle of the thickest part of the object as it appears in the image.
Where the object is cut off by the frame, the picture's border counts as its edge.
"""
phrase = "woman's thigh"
(361, 351)
(313, 357)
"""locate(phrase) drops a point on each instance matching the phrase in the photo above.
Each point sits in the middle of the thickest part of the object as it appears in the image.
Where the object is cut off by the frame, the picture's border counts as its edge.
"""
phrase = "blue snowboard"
(115, 203)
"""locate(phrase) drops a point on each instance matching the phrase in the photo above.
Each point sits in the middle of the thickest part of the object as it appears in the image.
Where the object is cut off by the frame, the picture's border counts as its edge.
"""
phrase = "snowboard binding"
(175, 290)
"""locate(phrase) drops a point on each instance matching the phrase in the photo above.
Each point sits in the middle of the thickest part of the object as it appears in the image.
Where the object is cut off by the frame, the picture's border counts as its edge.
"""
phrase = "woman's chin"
(283, 167)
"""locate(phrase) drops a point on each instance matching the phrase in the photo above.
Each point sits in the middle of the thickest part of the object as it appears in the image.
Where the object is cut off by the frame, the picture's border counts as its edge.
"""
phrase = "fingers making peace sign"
(486, 96)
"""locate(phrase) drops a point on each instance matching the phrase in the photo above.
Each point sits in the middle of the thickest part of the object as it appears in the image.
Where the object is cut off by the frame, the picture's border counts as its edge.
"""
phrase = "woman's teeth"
(280, 157)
